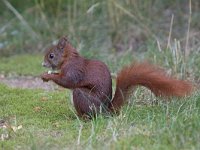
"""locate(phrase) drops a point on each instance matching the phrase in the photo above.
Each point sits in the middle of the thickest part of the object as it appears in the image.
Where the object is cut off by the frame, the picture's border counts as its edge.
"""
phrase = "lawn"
(46, 120)
(21, 65)
(116, 32)
(39, 119)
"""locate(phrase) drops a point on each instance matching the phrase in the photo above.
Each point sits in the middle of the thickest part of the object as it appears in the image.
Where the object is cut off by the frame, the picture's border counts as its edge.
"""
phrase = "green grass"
(48, 122)
(28, 64)
(31, 65)
(116, 32)
(21, 65)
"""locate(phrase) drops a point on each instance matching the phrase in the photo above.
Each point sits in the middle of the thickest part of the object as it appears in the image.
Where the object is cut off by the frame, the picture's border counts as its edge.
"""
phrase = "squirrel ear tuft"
(62, 42)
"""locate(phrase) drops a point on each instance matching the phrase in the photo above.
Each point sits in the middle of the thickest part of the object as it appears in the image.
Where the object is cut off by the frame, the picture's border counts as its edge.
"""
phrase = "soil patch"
(28, 82)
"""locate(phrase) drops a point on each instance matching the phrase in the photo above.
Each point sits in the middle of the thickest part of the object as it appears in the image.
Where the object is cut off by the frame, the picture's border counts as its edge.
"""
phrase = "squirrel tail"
(150, 76)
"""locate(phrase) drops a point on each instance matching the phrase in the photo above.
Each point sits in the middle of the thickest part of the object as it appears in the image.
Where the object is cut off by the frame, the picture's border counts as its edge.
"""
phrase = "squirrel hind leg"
(86, 104)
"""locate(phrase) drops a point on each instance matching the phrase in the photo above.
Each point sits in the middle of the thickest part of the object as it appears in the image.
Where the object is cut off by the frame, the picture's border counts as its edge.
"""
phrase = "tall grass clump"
(108, 26)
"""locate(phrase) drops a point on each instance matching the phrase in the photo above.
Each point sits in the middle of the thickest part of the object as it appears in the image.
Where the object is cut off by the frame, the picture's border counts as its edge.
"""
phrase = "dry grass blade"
(187, 50)
(170, 32)
(91, 9)
(79, 134)
(21, 18)
(150, 33)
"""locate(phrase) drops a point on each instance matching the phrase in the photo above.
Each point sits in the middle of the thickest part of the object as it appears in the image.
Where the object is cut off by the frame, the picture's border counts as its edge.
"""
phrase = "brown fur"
(91, 81)
(149, 76)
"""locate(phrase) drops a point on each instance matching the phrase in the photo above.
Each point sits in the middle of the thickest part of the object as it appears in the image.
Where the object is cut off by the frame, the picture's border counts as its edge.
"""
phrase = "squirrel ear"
(62, 42)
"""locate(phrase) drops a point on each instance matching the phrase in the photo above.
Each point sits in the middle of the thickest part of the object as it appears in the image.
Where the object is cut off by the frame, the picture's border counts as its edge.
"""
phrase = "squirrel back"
(91, 81)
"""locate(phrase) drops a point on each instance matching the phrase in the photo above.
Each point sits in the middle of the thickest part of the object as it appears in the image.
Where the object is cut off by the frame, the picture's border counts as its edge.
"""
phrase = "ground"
(37, 115)
(27, 83)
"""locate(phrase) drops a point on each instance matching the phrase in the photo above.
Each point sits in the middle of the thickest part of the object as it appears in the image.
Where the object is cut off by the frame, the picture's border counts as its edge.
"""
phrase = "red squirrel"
(91, 83)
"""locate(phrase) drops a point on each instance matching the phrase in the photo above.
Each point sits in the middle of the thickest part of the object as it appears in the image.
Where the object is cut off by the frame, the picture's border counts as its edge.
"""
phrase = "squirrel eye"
(51, 55)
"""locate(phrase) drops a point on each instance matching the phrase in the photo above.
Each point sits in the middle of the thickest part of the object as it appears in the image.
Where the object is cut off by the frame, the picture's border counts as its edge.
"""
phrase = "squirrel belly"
(95, 91)
(91, 81)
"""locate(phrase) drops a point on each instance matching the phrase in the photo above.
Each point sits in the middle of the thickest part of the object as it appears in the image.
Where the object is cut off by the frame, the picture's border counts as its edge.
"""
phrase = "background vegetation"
(103, 28)
(165, 32)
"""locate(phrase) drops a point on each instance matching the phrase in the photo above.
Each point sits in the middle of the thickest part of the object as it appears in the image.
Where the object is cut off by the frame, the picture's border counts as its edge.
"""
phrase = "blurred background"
(116, 31)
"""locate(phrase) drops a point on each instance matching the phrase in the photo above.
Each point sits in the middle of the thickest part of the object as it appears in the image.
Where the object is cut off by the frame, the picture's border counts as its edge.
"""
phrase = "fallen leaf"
(37, 108)
(14, 128)
(19, 127)
(4, 137)
(44, 99)
(2, 123)
(56, 124)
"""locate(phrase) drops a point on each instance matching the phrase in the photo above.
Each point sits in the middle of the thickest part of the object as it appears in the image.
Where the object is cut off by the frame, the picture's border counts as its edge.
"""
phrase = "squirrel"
(91, 83)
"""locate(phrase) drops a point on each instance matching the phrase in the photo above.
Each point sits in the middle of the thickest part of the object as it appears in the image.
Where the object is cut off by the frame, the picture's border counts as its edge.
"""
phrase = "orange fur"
(91, 83)
(149, 76)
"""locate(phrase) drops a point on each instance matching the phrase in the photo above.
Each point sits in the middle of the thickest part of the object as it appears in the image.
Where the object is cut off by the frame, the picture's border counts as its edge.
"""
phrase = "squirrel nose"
(44, 64)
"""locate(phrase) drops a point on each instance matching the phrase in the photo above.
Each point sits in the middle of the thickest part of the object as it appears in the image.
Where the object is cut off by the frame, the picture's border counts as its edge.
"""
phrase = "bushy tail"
(148, 76)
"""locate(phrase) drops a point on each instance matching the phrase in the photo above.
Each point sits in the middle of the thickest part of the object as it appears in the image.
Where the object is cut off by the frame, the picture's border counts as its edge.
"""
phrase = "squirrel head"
(56, 54)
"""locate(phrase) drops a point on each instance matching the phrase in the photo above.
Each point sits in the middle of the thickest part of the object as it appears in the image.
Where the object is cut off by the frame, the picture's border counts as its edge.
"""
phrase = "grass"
(116, 32)
(48, 119)
(30, 64)
(48, 122)
(22, 65)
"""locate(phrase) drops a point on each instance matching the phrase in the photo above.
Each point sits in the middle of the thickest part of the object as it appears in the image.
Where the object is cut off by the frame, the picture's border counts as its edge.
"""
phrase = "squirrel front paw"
(45, 77)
